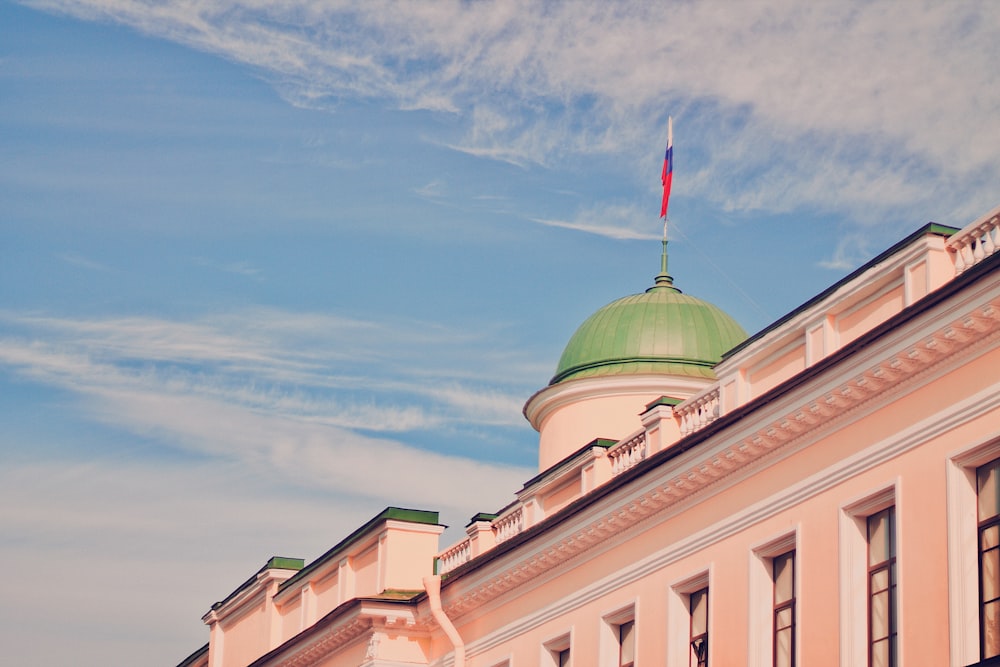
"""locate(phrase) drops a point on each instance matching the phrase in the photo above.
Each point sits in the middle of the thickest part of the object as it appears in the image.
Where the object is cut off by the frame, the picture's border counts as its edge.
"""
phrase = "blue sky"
(271, 265)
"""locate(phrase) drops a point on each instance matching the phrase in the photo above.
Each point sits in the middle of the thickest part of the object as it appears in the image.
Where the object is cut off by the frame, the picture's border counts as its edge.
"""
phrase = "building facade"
(824, 492)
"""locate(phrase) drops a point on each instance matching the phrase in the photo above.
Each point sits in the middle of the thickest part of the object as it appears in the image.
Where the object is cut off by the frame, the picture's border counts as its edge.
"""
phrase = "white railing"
(456, 555)
(976, 242)
(627, 453)
(508, 524)
(699, 410)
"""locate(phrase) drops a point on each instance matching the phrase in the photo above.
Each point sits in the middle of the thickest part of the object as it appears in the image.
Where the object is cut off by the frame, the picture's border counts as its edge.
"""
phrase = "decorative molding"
(546, 401)
(965, 336)
(933, 426)
(862, 285)
(323, 644)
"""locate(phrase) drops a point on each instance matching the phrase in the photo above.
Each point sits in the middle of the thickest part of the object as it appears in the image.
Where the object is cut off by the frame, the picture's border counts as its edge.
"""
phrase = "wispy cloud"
(308, 382)
(612, 221)
(247, 419)
(850, 251)
(185, 532)
(796, 105)
(237, 268)
(83, 262)
(431, 190)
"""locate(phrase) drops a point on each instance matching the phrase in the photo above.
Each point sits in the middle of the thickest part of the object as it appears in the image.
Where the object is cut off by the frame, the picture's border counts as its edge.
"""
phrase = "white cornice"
(555, 396)
(931, 427)
(322, 644)
(876, 279)
(868, 379)
(369, 616)
(249, 598)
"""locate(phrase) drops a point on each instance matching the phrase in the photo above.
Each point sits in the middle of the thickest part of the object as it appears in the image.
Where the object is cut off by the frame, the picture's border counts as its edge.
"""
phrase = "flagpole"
(667, 179)
(663, 263)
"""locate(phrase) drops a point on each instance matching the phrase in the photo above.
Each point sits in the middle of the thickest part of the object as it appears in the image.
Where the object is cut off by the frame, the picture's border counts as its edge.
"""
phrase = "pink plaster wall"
(920, 482)
(869, 314)
(409, 557)
(570, 427)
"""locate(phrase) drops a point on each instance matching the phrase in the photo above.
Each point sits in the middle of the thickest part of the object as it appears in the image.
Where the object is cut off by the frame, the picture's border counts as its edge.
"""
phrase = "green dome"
(659, 331)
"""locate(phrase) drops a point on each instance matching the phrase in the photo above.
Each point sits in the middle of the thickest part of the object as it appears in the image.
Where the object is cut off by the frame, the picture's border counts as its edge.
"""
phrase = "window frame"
(611, 638)
(886, 565)
(964, 633)
(699, 643)
(554, 649)
(679, 649)
(982, 526)
(853, 565)
(778, 607)
(761, 645)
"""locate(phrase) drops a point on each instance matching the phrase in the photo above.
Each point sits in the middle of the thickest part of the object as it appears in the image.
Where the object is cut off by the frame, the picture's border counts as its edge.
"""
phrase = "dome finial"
(664, 279)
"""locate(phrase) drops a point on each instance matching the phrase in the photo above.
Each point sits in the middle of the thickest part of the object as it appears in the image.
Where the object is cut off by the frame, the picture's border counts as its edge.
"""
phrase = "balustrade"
(454, 556)
(628, 453)
(509, 524)
(699, 410)
(975, 243)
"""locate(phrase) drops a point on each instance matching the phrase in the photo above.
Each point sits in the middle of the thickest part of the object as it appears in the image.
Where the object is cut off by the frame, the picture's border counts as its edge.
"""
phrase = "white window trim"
(679, 617)
(608, 641)
(761, 617)
(963, 550)
(552, 647)
(854, 574)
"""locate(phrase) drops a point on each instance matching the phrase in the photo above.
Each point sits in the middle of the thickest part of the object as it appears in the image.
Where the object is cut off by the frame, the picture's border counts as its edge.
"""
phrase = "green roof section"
(661, 331)
(283, 563)
(273, 563)
(481, 516)
(663, 400)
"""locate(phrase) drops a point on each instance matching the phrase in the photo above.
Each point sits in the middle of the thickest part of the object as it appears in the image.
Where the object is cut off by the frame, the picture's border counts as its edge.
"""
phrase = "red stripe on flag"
(667, 177)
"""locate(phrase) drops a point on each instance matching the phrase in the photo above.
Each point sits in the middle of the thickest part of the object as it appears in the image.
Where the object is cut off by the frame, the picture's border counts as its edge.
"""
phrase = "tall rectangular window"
(783, 573)
(698, 606)
(626, 644)
(882, 588)
(988, 494)
(556, 652)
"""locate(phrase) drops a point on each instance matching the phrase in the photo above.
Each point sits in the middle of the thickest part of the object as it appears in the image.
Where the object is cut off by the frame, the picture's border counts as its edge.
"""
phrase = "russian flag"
(668, 167)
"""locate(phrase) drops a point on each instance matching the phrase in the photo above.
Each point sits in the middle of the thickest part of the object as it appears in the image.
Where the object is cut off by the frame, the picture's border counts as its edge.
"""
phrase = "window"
(626, 644)
(869, 615)
(972, 506)
(688, 620)
(618, 638)
(783, 625)
(882, 588)
(773, 613)
(698, 607)
(988, 496)
(556, 652)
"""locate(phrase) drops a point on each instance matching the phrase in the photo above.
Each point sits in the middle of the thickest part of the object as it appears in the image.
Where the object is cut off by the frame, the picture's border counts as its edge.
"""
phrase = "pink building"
(824, 492)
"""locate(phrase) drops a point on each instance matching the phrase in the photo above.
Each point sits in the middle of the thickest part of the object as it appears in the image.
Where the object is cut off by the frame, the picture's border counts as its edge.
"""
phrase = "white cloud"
(615, 221)
(322, 377)
(235, 438)
(432, 190)
(778, 104)
(238, 268)
(141, 551)
(83, 262)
